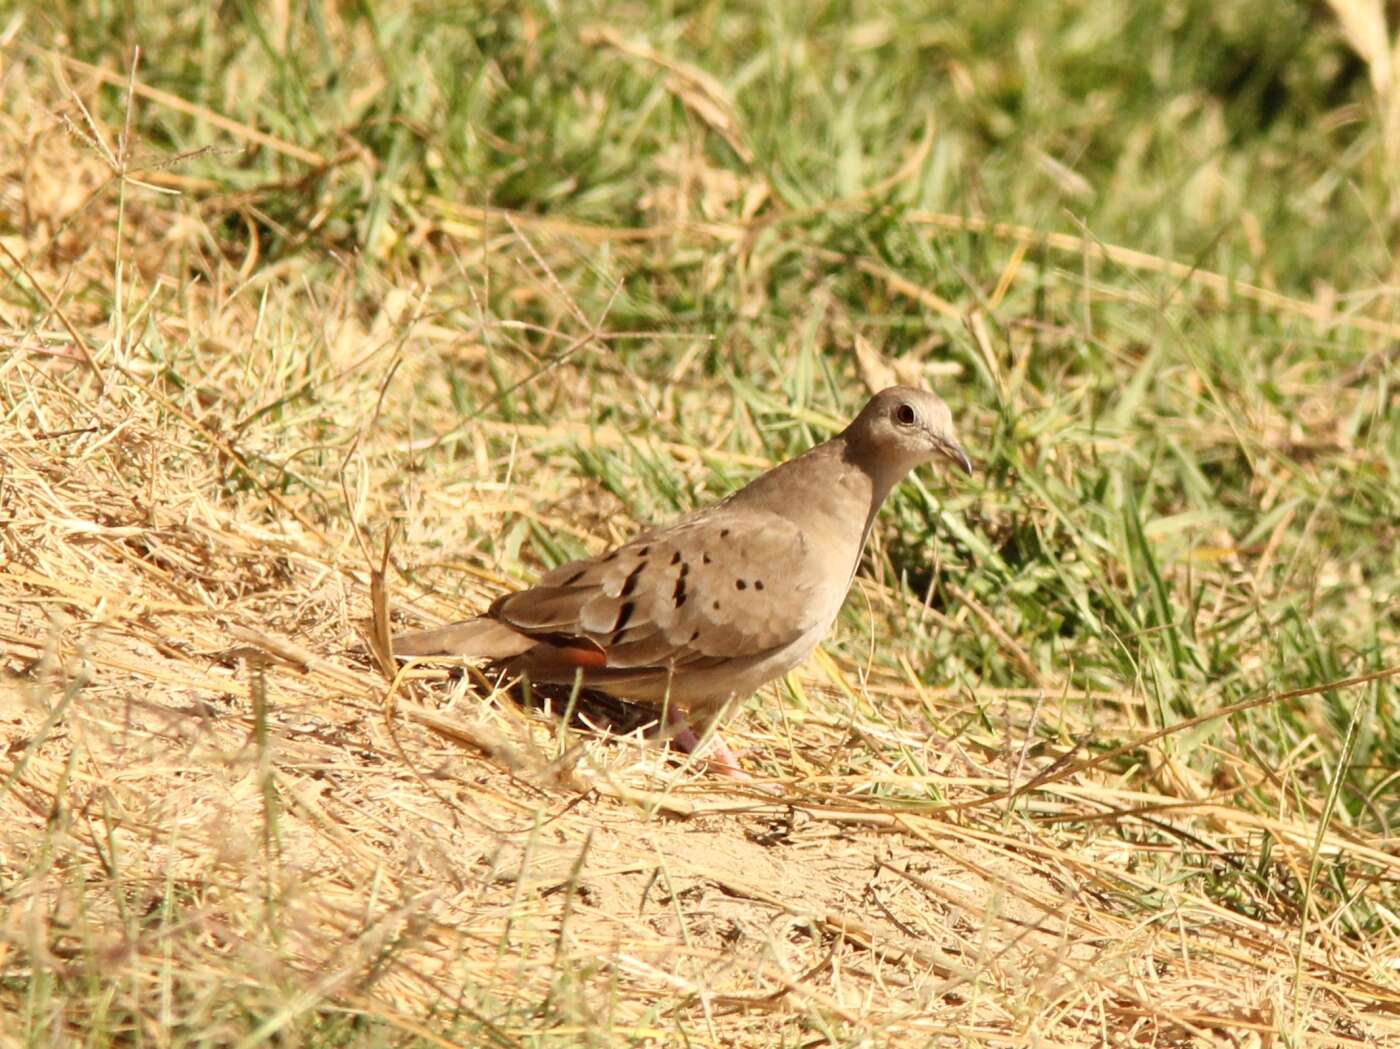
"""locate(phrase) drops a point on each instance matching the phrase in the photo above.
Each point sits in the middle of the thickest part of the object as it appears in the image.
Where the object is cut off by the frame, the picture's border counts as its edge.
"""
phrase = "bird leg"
(721, 758)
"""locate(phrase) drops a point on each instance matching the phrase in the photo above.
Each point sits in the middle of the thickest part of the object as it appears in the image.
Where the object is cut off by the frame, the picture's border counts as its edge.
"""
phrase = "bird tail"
(479, 638)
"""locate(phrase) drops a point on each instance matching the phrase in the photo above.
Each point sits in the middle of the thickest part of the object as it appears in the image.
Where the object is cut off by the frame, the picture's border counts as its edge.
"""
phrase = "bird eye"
(904, 415)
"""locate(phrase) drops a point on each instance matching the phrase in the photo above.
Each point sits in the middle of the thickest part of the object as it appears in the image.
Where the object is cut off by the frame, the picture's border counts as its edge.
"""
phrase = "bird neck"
(872, 479)
(831, 489)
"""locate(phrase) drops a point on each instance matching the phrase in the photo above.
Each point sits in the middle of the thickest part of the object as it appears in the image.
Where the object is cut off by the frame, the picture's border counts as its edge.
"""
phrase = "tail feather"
(479, 638)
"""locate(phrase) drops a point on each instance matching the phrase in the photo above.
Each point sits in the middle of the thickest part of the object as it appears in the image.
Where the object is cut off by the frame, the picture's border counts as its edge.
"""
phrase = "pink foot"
(721, 758)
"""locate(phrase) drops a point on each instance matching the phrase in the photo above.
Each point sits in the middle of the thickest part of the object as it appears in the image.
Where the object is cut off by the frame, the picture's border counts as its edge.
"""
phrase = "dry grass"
(224, 825)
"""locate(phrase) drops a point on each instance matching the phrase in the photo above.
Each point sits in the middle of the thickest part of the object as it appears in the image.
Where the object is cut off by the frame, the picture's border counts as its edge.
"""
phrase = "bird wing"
(723, 584)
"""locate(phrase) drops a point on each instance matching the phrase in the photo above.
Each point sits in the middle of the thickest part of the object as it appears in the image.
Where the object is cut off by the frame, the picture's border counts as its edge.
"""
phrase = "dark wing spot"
(694, 637)
(644, 551)
(707, 558)
(724, 533)
(676, 558)
(758, 584)
(623, 615)
(574, 578)
(630, 583)
(678, 595)
(716, 606)
(685, 569)
(739, 584)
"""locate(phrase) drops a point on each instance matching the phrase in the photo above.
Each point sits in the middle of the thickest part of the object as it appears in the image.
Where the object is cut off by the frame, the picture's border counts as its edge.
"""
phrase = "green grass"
(1186, 499)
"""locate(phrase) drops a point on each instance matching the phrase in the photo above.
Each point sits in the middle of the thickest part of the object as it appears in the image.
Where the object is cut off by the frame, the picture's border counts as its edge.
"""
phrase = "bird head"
(902, 428)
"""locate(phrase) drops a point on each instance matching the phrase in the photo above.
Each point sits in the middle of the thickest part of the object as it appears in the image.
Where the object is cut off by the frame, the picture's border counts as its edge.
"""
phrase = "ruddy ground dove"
(692, 616)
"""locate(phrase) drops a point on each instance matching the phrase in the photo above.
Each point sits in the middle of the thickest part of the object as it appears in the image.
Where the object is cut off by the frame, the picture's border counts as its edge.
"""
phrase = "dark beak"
(956, 455)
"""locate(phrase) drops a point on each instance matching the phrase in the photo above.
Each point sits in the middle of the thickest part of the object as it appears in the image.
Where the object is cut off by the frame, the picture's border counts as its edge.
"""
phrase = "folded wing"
(711, 588)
